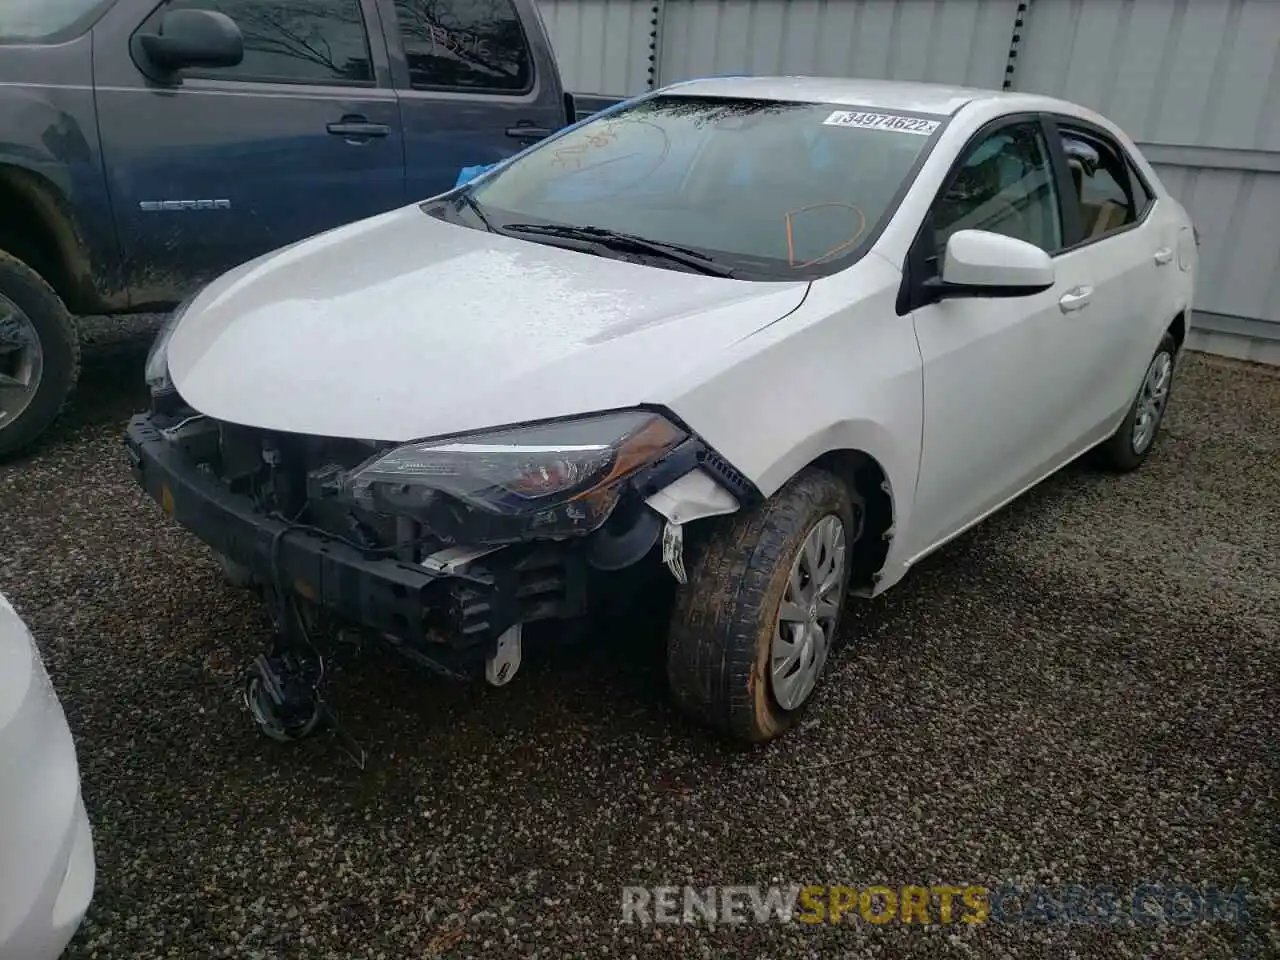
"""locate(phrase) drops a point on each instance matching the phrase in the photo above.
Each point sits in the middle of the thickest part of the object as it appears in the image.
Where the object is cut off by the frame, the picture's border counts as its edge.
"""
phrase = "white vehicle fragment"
(692, 497)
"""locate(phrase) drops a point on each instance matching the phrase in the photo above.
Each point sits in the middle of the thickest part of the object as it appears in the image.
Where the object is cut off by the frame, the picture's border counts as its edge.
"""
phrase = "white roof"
(935, 98)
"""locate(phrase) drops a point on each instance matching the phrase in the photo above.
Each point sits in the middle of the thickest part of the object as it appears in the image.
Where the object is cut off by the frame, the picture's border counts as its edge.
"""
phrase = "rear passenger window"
(1101, 183)
(290, 41)
(464, 45)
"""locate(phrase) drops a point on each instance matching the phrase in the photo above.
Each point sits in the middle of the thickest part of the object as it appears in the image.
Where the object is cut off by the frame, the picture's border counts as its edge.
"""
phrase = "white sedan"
(46, 846)
(787, 336)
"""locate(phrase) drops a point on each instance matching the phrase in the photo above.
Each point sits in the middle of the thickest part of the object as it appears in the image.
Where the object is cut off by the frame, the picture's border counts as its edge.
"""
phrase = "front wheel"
(1128, 447)
(754, 626)
(39, 355)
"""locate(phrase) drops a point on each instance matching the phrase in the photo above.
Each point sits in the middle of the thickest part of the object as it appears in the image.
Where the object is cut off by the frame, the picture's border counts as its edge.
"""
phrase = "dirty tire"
(59, 344)
(1116, 453)
(723, 624)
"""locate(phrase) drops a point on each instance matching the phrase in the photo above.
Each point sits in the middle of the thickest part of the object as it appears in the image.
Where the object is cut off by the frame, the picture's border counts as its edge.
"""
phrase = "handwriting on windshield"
(839, 248)
(570, 157)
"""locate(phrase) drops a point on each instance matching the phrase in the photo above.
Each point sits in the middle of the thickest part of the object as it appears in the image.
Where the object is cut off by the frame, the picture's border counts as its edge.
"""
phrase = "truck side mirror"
(190, 38)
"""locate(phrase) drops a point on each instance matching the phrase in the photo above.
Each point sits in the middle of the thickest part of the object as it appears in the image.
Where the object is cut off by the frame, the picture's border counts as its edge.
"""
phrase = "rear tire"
(39, 355)
(1128, 447)
(732, 643)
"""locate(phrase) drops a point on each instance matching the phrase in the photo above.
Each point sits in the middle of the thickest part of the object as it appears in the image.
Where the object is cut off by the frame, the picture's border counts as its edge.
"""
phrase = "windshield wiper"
(615, 240)
(473, 205)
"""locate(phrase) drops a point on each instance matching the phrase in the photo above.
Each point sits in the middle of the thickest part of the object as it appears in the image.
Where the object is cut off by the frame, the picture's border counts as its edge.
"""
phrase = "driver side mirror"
(190, 38)
(978, 263)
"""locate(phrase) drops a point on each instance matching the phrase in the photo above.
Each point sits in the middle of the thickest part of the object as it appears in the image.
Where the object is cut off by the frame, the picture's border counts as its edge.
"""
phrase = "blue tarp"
(467, 174)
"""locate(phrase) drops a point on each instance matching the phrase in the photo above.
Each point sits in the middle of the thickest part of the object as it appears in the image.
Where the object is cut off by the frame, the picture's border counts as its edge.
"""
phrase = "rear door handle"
(1163, 255)
(527, 131)
(358, 129)
(1077, 298)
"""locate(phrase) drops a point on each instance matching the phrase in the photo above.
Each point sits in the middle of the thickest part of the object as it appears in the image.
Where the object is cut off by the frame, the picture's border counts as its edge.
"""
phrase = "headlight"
(547, 479)
(157, 368)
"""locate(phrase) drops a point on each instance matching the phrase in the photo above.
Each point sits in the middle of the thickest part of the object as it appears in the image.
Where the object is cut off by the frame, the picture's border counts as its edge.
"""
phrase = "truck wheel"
(39, 355)
(752, 629)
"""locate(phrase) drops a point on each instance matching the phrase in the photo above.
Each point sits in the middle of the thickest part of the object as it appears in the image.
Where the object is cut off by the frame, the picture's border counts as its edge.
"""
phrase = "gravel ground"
(1081, 691)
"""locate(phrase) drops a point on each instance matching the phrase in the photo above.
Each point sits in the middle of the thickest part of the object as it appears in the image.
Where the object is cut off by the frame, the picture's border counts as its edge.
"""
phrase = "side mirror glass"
(192, 38)
(978, 263)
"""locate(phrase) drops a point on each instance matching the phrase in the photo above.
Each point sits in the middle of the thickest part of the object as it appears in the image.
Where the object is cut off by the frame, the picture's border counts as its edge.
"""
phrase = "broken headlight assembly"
(157, 367)
(546, 480)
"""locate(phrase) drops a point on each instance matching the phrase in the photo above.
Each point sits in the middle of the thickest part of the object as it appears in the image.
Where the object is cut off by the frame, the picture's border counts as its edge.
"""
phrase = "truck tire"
(729, 662)
(39, 355)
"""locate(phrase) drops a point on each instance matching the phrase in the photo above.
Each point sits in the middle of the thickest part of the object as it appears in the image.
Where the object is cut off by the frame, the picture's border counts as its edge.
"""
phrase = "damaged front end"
(445, 547)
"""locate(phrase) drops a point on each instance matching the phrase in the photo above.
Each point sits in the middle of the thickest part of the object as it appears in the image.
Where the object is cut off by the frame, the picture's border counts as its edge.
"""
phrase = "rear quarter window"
(1142, 196)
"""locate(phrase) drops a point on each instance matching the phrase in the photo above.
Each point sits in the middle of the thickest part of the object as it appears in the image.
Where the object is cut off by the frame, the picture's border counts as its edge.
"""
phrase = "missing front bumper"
(451, 603)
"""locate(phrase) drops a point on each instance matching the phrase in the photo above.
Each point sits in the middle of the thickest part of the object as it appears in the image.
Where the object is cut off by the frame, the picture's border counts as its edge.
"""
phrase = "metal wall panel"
(602, 46)
(1237, 213)
(952, 41)
(1197, 84)
(1177, 72)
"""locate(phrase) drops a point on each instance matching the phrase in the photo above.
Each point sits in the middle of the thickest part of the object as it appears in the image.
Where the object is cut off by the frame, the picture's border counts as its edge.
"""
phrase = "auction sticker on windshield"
(881, 121)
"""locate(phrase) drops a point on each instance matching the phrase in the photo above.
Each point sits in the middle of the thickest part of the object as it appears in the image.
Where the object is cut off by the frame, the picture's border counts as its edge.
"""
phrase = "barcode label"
(881, 121)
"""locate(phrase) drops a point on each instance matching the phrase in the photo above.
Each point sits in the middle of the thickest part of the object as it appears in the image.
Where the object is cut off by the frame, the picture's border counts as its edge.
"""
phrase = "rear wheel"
(753, 628)
(39, 355)
(1128, 447)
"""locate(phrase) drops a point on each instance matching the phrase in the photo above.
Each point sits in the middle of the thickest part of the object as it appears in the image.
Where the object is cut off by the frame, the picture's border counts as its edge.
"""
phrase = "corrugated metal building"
(1195, 82)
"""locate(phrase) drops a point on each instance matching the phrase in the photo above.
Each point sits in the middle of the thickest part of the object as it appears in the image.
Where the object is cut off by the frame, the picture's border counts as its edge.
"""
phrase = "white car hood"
(403, 326)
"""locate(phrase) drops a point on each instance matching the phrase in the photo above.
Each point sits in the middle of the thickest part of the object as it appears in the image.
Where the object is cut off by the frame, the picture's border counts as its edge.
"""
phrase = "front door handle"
(1163, 255)
(1077, 298)
(527, 131)
(358, 129)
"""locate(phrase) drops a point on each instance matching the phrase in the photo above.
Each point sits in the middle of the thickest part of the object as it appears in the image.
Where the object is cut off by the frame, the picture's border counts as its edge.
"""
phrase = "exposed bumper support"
(430, 607)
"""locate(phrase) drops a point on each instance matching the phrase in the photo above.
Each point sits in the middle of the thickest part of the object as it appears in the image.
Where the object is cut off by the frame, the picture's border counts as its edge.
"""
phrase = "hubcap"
(807, 618)
(1151, 401)
(21, 361)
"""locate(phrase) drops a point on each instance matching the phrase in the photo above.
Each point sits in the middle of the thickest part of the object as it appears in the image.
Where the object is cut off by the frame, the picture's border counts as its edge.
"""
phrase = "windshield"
(41, 19)
(775, 190)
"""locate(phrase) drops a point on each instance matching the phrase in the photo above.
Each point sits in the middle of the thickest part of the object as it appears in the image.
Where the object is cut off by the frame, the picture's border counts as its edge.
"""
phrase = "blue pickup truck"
(147, 146)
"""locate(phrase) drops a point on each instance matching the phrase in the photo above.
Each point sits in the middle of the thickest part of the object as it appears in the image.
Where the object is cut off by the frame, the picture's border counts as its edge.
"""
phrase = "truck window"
(474, 45)
(29, 21)
(290, 41)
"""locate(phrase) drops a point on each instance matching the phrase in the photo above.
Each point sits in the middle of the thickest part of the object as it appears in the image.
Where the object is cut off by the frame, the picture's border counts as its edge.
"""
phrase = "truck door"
(217, 166)
(477, 83)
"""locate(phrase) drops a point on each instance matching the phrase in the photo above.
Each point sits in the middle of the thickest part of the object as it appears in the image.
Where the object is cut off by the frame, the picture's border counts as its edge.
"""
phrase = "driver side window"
(286, 41)
(1005, 184)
